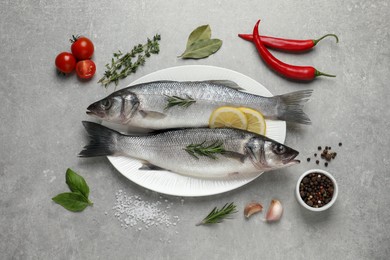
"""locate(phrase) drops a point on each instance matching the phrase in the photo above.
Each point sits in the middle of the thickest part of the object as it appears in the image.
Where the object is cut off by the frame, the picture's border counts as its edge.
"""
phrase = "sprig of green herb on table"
(122, 64)
(205, 150)
(218, 215)
(200, 45)
(178, 101)
(77, 200)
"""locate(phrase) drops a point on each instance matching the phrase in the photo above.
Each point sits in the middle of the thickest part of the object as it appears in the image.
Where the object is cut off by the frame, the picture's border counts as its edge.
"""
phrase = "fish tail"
(290, 106)
(102, 140)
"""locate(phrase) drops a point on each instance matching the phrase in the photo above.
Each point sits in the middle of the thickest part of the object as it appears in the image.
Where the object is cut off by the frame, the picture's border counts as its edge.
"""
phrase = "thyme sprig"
(217, 215)
(205, 150)
(178, 101)
(122, 64)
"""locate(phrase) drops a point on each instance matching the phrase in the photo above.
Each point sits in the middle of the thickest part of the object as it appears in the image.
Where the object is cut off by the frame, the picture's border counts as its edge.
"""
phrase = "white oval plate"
(179, 185)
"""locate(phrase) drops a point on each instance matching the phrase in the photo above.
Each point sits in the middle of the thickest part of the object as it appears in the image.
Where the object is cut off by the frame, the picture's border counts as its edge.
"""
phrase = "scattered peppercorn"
(316, 193)
(326, 154)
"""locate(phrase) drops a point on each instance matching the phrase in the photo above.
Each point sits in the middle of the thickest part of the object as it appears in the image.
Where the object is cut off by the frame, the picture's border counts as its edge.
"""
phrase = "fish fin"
(290, 106)
(234, 155)
(152, 114)
(226, 83)
(102, 140)
(147, 166)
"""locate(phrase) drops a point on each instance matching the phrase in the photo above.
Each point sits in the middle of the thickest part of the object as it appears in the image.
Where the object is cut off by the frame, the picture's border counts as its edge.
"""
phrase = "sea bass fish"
(196, 152)
(173, 104)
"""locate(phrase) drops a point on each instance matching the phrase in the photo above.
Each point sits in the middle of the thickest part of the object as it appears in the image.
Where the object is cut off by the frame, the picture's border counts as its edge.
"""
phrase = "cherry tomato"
(82, 48)
(65, 62)
(85, 69)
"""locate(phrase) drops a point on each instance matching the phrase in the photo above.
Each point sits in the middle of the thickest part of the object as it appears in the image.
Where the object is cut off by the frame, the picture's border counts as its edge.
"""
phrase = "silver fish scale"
(168, 151)
(208, 97)
(199, 91)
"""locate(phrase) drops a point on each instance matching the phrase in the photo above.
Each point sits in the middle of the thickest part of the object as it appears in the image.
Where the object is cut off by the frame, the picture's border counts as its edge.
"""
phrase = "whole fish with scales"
(173, 104)
(195, 152)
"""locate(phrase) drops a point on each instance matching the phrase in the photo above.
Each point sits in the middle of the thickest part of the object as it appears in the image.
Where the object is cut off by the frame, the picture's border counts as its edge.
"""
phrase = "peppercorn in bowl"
(316, 190)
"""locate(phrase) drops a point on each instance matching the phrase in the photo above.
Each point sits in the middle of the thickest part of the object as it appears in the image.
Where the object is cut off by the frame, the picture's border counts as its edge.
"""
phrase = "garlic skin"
(275, 211)
(252, 208)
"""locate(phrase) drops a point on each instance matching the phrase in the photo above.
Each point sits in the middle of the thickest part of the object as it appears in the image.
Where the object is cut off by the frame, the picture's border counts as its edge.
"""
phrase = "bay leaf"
(201, 33)
(202, 49)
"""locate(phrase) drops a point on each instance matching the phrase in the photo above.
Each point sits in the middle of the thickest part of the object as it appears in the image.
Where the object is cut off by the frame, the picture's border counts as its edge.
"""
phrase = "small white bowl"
(335, 192)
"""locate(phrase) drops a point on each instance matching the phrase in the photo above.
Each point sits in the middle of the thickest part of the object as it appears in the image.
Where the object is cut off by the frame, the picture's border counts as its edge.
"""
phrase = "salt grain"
(132, 211)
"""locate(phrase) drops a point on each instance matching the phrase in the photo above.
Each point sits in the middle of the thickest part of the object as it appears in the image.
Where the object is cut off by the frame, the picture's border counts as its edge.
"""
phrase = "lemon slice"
(228, 117)
(256, 122)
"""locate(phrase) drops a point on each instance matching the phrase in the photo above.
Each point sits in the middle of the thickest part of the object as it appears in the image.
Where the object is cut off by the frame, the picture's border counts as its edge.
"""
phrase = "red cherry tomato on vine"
(65, 62)
(82, 48)
(85, 69)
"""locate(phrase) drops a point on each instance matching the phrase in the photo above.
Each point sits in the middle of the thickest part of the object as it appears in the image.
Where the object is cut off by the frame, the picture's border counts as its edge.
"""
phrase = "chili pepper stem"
(326, 35)
(319, 73)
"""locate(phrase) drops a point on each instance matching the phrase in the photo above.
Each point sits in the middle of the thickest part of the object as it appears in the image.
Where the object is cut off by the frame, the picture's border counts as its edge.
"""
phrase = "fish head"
(116, 108)
(267, 154)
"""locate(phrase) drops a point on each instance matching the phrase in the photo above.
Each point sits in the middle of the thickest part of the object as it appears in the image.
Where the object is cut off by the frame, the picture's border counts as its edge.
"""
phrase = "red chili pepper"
(287, 70)
(287, 44)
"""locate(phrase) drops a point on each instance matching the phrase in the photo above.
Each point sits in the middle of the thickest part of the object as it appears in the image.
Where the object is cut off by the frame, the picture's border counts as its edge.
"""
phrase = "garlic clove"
(252, 208)
(275, 211)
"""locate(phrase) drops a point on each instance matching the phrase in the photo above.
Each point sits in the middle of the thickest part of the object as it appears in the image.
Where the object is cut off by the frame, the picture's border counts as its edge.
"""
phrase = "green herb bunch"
(205, 150)
(77, 200)
(123, 64)
(179, 101)
(218, 215)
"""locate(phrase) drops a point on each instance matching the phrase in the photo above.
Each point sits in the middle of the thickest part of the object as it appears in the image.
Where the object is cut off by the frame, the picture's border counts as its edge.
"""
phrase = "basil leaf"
(201, 33)
(202, 49)
(76, 183)
(72, 201)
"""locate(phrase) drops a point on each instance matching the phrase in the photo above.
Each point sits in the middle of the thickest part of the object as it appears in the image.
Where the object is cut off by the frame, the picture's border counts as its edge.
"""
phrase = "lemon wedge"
(228, 117)
(256, 122)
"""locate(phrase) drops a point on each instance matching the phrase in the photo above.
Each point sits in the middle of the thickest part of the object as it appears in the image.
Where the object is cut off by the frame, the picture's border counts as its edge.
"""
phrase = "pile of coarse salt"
(133, 211)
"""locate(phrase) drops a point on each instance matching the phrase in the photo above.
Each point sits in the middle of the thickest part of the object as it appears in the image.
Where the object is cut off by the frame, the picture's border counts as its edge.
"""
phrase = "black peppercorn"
(316, 190)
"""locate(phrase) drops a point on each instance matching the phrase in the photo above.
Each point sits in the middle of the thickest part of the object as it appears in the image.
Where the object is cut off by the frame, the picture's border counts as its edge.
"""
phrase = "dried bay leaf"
(201, 33)
(202, 49)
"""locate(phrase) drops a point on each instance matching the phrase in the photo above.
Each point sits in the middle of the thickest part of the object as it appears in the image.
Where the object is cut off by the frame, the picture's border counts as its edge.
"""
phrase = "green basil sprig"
(77, 200)
(200, 45)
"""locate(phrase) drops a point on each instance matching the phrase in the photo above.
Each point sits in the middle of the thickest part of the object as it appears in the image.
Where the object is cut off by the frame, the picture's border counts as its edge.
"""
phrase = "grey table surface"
(41, 131)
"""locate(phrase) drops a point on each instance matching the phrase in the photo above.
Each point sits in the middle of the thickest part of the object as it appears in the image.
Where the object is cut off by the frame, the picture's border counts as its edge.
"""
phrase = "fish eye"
(106, 104)
(279, 149)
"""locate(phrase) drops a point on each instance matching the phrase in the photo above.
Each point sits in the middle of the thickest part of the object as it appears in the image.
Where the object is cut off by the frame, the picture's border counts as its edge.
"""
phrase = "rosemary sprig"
(178, 101)
(217, 215)
(203, 150)
(123, 65)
